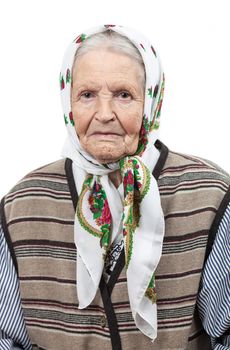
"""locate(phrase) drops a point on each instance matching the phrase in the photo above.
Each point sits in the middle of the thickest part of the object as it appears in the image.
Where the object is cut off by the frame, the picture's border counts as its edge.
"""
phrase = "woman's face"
(107, 101)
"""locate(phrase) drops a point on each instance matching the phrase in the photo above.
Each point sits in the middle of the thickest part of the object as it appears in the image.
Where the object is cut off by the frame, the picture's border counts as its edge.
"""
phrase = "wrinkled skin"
(107, 101)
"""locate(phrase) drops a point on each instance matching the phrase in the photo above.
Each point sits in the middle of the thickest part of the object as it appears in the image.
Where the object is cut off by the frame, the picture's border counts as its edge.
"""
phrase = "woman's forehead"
(106, 59)
(105, 64)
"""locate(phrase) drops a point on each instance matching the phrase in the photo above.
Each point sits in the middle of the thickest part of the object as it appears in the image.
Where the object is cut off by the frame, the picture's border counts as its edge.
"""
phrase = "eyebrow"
(115, 86)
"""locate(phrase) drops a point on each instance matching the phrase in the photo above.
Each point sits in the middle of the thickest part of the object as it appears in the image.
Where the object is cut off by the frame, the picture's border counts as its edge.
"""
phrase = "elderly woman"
(122, 243)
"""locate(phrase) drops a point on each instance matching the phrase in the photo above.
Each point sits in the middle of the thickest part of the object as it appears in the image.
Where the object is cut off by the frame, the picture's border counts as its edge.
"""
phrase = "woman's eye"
(124, 94)
(86, 94)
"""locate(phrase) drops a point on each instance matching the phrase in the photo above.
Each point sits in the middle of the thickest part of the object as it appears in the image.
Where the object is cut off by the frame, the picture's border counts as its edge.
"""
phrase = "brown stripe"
(67, 328)
(177, 320)
(191, 185)
(41, 174)
(184, 190)
(178, 300)
(190, 213)
(57, 304)
(178, 275)
(183, 325)
(57, 197)
(129, 325)
(196, 335)
(41, 242)
(46, 278)
(186, 237)
(174, 169)
(41, 219)
(39, 190)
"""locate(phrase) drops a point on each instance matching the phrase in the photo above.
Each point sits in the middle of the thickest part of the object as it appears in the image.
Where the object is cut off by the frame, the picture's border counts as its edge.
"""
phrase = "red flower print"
(92, 207)
(153, 51)
(105, 215)
(128, 179)
(71, 118)
(142, 131)
(155, 90)
(67, 78)
(80, 38)
(142, 46)
(124, 232)
(62, 83)
(91, 200)
(144, 141)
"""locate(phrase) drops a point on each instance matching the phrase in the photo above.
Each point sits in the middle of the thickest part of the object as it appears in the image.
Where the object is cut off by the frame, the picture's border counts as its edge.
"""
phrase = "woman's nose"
(105, 111)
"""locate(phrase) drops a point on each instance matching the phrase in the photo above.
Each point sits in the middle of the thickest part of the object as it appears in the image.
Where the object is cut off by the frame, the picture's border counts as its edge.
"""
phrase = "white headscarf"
(101, 214)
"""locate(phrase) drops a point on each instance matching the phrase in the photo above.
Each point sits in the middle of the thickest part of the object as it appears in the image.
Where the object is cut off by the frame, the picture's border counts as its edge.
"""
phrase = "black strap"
(211, 238)
(106, 291)
(7, 235)
(216, 223)
(111, 316)
(71, 183)
(116, 271)
(162, 158)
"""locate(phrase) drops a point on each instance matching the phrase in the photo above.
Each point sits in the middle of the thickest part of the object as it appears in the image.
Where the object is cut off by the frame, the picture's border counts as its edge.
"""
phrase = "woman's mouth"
(105, 134)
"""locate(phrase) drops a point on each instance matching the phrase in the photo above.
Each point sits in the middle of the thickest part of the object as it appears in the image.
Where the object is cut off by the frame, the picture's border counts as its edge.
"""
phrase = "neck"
(115, 177)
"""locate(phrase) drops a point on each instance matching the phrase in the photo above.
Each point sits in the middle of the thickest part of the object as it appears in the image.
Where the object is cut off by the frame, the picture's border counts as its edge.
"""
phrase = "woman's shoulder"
(192, 166)
(200, 181)
(43, 176)
(57, 166)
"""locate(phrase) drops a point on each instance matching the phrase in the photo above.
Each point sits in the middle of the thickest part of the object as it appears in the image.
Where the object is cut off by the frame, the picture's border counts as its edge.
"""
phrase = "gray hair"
(113, 42)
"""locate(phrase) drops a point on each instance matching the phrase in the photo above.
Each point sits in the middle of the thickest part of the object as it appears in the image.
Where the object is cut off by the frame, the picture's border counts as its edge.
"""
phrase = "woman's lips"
(105, 134)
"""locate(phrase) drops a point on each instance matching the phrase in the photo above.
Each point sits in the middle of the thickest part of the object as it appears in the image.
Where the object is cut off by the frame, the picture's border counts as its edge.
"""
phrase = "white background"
(193, 40)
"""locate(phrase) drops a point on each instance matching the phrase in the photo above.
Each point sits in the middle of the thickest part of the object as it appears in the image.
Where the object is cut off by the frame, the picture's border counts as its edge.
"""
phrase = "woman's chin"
(107, 154)
(106, 159)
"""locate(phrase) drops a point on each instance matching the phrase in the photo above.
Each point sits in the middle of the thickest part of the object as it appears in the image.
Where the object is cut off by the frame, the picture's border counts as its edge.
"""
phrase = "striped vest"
(38, 221)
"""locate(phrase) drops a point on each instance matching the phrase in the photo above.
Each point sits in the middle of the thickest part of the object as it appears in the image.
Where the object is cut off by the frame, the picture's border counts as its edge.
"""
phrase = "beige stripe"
(57, 340)
(184, 225)
(29, 266)
(42, 206)
(177, 159)
(181, 262)
(46, 291)
(179, 287)
(190, 200)
(42, 230)
(166, 340)
(54, 167)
